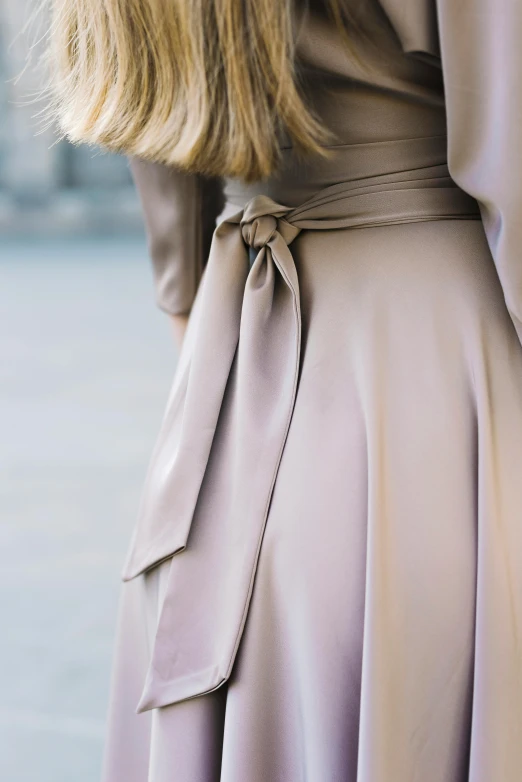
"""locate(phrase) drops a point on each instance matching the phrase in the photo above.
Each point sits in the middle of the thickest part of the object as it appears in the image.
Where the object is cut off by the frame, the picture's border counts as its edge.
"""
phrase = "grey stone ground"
(85, 368)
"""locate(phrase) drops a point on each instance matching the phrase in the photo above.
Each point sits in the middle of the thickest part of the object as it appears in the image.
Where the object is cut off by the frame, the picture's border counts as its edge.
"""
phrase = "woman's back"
(383, 105)
(328, 544)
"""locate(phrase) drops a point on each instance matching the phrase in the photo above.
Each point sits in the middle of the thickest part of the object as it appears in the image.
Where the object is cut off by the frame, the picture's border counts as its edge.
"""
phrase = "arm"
(180, 212)
(482, 67)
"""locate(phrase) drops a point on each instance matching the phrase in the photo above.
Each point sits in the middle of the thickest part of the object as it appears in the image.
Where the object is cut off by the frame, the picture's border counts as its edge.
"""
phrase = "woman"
(325, 582)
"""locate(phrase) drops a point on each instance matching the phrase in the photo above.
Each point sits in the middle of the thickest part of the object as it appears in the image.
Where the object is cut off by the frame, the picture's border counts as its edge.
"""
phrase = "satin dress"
(324, 583)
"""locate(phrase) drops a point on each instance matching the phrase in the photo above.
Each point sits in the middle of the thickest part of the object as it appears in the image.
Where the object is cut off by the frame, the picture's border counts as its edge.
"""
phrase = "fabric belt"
(249, 313)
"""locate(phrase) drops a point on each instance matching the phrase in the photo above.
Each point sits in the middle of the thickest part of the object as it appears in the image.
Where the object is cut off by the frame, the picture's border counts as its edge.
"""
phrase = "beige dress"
(325, 580)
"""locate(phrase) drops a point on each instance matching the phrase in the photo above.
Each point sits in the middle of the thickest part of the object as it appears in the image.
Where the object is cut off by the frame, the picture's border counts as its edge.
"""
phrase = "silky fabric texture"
(251, 320)
(381, 641)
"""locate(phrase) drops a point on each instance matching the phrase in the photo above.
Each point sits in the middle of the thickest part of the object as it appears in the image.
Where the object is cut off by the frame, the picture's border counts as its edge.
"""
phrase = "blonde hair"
(206, 85)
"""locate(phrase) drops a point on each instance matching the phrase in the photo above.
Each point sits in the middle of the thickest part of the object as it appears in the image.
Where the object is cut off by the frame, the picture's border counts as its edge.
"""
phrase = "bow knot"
(259, 231)
(262, 219)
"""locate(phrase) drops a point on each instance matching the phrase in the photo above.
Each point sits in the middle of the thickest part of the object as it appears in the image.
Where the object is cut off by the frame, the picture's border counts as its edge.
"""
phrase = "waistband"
(299, 179)
(238, 326)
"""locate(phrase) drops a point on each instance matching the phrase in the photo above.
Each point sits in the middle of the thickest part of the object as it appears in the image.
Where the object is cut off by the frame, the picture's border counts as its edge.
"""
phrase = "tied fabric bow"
(260, 302)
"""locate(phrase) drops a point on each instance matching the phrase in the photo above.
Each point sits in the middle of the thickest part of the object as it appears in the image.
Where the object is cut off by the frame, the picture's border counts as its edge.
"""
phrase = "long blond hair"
(207, 85)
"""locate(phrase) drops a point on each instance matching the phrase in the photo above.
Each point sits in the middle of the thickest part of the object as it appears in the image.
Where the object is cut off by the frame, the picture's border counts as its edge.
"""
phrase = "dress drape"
(325, 579)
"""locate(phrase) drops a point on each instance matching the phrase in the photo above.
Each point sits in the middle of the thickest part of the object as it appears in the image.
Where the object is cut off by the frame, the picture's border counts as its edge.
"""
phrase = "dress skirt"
(383, 636)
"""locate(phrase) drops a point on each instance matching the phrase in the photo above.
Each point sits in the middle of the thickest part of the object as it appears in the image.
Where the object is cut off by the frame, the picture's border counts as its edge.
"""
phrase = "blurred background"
(86, 362)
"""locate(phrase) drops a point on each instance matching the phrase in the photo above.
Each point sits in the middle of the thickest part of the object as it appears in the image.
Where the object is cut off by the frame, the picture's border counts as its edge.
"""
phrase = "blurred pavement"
(86, 363)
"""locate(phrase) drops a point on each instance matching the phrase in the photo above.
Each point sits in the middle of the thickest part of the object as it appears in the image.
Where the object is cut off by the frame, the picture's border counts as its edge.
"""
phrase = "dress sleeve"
(481, 53)
(180, 212)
